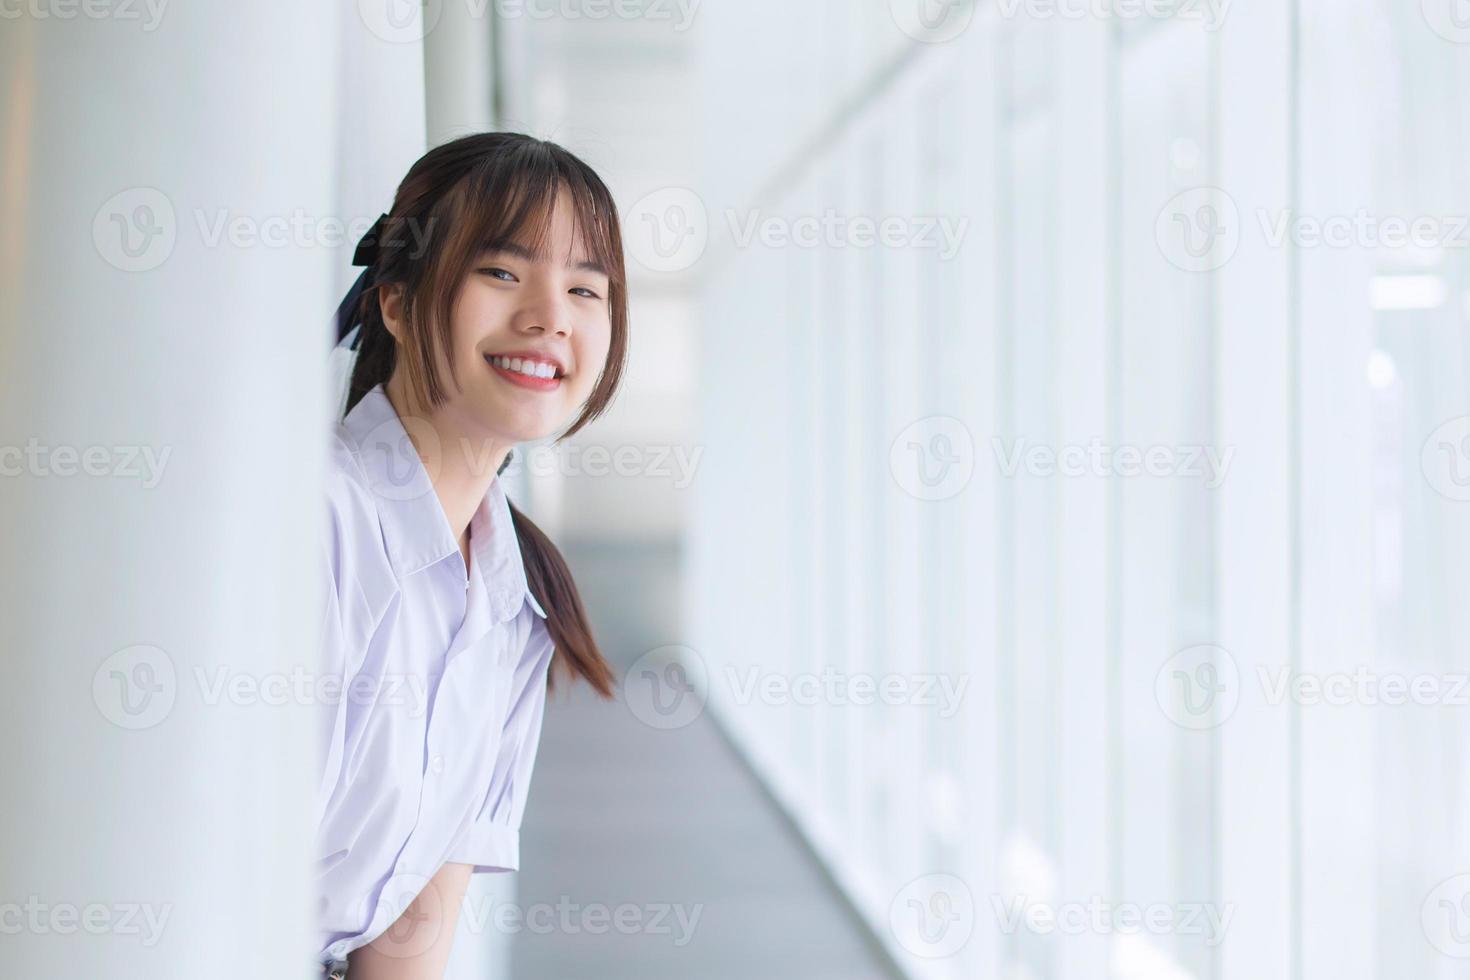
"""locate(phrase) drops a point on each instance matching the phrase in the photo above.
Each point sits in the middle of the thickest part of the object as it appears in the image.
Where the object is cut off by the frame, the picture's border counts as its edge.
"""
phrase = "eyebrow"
(519, 251)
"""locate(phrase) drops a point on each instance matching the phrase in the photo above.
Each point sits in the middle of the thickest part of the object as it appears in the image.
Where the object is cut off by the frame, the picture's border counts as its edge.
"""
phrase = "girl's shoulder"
(354, 528)
(349, 495)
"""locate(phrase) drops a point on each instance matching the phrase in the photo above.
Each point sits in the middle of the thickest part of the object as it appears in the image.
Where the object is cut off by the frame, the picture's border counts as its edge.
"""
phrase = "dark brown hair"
(473, 193)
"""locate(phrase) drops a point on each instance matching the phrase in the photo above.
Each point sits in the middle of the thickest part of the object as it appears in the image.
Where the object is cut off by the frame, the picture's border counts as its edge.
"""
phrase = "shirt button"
(437, 764)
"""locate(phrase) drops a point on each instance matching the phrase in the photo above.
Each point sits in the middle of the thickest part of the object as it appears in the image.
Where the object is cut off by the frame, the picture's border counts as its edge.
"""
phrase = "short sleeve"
(492, 842)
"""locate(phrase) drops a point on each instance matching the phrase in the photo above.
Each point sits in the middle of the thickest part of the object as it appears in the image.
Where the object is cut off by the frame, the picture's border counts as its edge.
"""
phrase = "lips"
(527, 369)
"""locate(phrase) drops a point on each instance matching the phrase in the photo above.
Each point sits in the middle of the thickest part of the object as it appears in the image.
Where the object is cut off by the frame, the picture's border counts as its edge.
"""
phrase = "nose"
(545, 311)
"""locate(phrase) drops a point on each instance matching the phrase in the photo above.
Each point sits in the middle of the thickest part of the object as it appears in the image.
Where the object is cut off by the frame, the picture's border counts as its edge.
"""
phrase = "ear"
(390, 304)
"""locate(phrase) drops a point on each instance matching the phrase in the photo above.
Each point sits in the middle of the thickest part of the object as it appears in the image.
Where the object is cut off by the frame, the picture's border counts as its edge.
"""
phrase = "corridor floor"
(656, 855)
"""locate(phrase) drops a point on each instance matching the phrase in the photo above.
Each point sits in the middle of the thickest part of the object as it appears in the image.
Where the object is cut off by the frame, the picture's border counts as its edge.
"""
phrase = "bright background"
(816, 441)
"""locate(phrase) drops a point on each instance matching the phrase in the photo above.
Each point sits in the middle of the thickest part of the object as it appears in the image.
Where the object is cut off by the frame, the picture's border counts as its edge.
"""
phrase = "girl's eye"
(499, 273)
(584, 291)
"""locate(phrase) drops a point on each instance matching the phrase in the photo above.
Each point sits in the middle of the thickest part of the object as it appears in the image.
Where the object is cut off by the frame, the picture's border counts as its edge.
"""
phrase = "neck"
(460, 458)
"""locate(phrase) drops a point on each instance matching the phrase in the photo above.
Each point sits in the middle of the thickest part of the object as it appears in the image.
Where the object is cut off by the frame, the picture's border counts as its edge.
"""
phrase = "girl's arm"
(416, 946)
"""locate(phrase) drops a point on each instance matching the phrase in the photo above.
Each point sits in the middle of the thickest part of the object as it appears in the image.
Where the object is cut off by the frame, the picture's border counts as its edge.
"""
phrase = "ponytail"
(551, 583)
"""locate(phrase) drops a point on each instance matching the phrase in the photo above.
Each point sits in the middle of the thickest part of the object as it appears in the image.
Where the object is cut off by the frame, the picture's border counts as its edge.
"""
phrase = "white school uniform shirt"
(430, 746)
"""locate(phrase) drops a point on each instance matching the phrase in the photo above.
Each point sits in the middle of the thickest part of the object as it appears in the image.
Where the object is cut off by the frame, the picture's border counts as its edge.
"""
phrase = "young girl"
(493, 311)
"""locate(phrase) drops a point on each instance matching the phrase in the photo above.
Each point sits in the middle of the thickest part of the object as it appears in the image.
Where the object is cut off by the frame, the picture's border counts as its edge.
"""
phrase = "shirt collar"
(415, 531)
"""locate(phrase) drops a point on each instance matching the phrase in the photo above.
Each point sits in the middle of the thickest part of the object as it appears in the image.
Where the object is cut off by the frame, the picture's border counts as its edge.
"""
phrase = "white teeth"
(526, 366)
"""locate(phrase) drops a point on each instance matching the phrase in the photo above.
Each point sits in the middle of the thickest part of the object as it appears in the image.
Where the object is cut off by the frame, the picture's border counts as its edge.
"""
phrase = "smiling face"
(530, 332)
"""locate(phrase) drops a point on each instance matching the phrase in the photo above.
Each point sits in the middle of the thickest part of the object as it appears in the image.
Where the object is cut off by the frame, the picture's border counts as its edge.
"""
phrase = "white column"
(457, 72)
(1253, 560)
(164, 177)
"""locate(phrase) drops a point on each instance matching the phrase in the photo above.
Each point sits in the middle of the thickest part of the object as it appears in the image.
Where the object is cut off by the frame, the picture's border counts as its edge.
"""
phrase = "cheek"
(592, 349)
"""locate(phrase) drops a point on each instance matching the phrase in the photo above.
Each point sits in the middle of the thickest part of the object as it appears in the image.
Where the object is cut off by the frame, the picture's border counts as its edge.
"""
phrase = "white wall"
(133, 322)
(1078, 607)
(127, 328)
